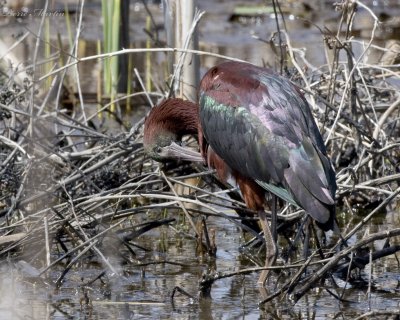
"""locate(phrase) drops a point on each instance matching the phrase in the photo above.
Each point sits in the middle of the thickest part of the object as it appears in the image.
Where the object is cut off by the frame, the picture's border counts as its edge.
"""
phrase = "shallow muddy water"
(144, 292)
(165, 258)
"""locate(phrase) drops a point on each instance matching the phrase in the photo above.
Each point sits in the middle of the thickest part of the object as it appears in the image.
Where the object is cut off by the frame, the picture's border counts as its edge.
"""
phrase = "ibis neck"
(190, 119)
(181, 119)
(172, 116)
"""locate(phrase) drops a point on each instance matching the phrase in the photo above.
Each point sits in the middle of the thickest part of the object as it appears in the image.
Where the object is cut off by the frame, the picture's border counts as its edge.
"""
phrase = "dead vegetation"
(72, 189)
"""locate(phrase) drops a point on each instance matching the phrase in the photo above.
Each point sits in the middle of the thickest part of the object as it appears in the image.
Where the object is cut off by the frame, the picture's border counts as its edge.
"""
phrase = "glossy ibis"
(255, 126)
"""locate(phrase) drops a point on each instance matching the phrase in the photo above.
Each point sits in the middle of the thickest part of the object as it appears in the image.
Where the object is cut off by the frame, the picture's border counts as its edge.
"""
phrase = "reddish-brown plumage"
(220, 82)
(173, 116)
(253, 194)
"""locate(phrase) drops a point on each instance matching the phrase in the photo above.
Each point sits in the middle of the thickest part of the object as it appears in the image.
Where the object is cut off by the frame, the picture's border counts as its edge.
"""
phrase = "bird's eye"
(158, 149)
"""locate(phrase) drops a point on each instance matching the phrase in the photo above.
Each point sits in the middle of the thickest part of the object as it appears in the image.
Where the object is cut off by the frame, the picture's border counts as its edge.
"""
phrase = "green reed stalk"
(99, 92)
(111, 19)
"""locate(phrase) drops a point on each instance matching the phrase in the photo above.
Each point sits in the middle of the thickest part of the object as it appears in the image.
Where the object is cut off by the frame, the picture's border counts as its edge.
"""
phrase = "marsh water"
(142, 290)
(145, 292)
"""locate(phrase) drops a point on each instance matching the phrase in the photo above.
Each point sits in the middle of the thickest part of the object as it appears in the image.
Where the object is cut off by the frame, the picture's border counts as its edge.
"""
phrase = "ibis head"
(164, 128)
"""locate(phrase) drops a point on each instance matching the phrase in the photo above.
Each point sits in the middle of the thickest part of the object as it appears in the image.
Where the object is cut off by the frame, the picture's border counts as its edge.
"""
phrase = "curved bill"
(176, 151)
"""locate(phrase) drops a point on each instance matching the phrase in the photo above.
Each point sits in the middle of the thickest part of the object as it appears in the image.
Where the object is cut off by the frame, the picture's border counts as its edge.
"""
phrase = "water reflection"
(143, 291)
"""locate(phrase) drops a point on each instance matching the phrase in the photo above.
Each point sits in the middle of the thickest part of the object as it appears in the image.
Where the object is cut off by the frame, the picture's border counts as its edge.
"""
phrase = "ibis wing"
(242, 141)
(261, 125)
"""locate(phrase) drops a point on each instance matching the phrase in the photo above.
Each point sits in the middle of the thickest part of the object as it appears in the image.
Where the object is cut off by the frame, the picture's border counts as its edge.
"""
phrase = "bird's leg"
(274, 219)
(270, 246)
(306, 246)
